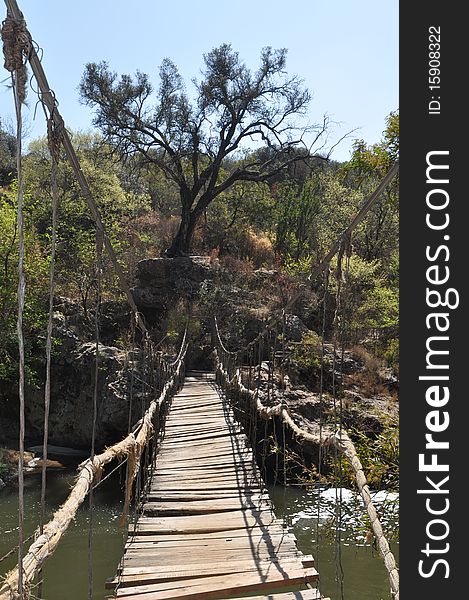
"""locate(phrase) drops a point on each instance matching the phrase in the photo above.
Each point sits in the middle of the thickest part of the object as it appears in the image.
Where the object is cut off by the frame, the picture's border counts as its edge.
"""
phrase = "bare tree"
(191, 140)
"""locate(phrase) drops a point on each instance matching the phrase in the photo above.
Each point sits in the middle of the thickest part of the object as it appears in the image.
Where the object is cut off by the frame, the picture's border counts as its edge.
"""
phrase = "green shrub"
(391, 354)
(379, 456)
(305, 358)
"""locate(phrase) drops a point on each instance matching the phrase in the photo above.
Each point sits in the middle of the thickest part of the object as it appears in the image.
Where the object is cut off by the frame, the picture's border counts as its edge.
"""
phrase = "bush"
(300, 267)
(256, 247)
(391, 354)
(306, 357)
(236, 265)
(379, 456)
(369, 380)
(36, 271)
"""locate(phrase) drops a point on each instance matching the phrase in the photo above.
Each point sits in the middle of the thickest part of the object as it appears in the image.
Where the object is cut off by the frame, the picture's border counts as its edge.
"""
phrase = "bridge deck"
(208, 529)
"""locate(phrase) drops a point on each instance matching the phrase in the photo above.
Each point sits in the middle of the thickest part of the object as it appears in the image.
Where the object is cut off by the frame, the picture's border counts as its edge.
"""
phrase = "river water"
(349, 566)
(309, 513)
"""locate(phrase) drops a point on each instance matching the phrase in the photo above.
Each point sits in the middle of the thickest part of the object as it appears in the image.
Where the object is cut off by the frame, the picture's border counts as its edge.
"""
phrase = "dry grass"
(236, 265)
(261, 312)
(257, 247)
(369, 381)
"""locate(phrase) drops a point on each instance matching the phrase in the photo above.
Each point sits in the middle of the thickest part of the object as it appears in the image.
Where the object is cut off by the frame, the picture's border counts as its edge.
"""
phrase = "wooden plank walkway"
(208, 530)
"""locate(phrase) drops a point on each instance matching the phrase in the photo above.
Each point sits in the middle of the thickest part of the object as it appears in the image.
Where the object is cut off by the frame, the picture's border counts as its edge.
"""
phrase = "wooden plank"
(181, 456)
(240, 475)
(144, 558)
(269, 534)
(196, 423)
(236, 542)
(234, 463)
(254, 541)
(210, 547)
(240, 480)
(312, 594)
(202, 444)
(249, 477)
(204, 524)
(186, 437)
(210, 443)
(195, 495)
(213, 482)
(196, 469)
(236, 454)
(245, 458)
(201, 485)
(150, 527)
(213, 587)
(203, 405)
(192, 571)
(206, 555)
(201, 507)
(208, 463)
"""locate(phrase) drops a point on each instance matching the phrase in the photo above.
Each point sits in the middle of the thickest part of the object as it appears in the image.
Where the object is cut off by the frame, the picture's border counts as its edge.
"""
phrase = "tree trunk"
(181, 245)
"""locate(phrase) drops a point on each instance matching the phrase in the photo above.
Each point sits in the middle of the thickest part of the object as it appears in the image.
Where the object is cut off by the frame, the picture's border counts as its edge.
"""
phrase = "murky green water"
(66, 573)
(355, 571)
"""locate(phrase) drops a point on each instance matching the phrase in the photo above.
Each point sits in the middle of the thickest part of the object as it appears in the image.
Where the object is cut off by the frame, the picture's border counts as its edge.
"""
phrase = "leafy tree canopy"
(7, 155)
(190, 141)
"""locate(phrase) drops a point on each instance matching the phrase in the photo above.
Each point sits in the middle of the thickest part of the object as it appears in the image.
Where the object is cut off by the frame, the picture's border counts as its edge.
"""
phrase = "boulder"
(294, 328)
(161, 281)
(71, 416)
(72, 390)
(253, 328)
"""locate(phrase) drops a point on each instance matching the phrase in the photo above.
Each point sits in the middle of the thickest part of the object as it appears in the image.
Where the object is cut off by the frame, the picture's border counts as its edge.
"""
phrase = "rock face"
(72, 390)
(162, 281)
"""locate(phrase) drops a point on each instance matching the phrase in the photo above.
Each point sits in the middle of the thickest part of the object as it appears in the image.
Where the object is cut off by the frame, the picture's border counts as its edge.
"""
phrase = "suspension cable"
(16, 49)
(321, 405)
(20, 333)
(53, 140)
(338, 324)
(98, 269)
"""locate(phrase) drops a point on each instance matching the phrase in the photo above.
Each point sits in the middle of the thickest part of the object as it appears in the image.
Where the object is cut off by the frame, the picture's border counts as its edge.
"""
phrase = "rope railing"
(228, 375)
(89, 473)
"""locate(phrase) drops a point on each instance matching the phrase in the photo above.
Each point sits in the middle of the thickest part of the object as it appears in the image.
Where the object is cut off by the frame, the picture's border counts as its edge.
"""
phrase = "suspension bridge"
(204, 526)
(207, 527)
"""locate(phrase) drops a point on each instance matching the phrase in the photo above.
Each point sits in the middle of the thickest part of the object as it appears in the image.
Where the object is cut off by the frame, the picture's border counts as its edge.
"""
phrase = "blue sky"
(347, 52)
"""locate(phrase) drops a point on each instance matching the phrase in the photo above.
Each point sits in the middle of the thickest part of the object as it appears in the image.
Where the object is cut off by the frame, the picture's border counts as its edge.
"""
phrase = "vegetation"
(36, 267)
(199, 146)
(7, 155)
(226, 173)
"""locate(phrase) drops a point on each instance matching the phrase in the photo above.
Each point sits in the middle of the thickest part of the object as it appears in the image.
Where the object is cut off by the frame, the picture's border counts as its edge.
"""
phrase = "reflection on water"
(311, 515)
(66, 572)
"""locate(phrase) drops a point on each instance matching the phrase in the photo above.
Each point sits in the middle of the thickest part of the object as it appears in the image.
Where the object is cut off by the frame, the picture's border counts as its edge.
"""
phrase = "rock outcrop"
(160, 282)
(72, 387)
(294, 328)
